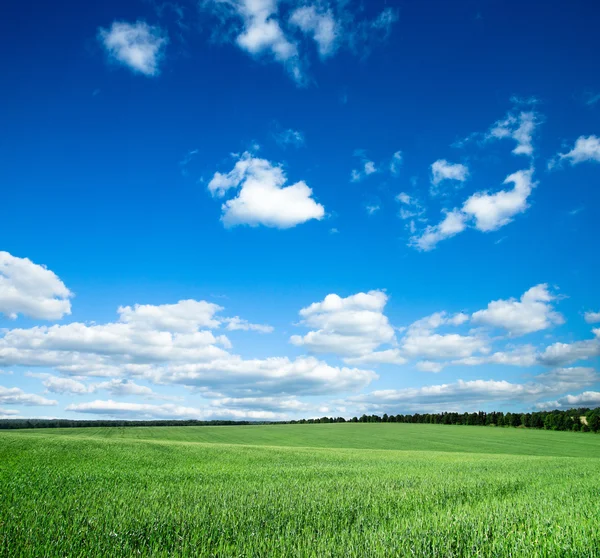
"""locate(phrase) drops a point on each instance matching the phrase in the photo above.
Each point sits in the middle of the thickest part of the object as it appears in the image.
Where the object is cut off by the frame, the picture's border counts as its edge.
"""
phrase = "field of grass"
(299, 490)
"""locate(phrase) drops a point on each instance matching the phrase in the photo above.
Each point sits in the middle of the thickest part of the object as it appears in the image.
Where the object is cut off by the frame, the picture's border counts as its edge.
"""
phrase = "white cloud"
(368, 169)
(183, 317)
(289, 137)
(430, 366)
(493, 211)
(236, 323)
(410, 208)
(453, 223)
(262, 198)
(518, 127)
(396, 162)
(533, 312)
(388, 356)
(353, 326)
(372, 209)
(585, 149)
(16, 396)
(559, 354)
(275, 375)
(443, 170)
(320, 25)
(138, 46)
(32, 290)
(592, 317)
(281, 30)
(454, 396)
(490, 212)
(262, 34)
(144, 347)
(54, 384)
(165, 411)
(420, 341)
(590, 399)
(8, 413)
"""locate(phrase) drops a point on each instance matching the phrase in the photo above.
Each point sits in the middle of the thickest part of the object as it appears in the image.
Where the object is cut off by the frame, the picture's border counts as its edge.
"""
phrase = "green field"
(299, 490)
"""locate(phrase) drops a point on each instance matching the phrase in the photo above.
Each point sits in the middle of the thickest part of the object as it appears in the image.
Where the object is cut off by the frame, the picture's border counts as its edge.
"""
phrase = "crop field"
(299, 490)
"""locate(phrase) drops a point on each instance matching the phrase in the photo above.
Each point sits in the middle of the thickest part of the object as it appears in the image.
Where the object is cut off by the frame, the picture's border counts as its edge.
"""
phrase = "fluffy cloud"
(352, 327)
(275, 375)
(518, 127)
(585, 149)
(559, 354)
(489, 212)
(453, 223)
(592, 317)
(183, 317)
(443, 170)
(163, 344)
(32, 290)
(472, 393)
(283, 32)
(138, 46)
(262, 198)
(533, 312)
(166, 411)
(421, 341)
(589, 399)
(321, 26)
(493, 211)
(16, 396)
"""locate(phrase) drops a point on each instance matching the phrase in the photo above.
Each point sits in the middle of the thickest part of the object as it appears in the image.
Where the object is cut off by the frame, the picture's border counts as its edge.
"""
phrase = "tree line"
(582, 419)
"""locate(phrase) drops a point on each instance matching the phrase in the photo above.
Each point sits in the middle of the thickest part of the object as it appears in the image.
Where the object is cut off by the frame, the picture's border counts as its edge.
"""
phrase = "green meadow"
(299, 490)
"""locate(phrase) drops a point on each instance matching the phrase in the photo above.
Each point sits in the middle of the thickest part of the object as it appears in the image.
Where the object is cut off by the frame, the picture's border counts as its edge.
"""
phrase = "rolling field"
(299, 490)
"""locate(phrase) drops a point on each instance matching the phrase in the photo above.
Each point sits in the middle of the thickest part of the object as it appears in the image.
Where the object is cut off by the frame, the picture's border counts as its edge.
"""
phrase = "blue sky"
(275, 209)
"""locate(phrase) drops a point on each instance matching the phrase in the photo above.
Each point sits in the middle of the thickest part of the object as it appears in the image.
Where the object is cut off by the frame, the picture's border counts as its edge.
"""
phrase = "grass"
(314, 490)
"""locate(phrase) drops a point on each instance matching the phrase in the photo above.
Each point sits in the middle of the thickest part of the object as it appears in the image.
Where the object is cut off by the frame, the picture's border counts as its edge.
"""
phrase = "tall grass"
(163, 493)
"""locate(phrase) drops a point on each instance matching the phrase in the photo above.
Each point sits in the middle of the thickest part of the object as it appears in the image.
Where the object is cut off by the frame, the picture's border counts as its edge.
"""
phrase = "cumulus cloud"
(138, 46)
(559, 354)
(518, 127)
(16, 396)
(533, 312)
(473, 393)
(352, 327)
(165, 346)
(183, 317)
(166, 411)
(493, 211)
(284, 32)
(443, 170)
(320, 25)
(589, 399)
(421, 341)
(585, 149)
(592, 317)
(263, 198)
(453, 223)
(489, 212)
(31, 289)
(275, 375)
